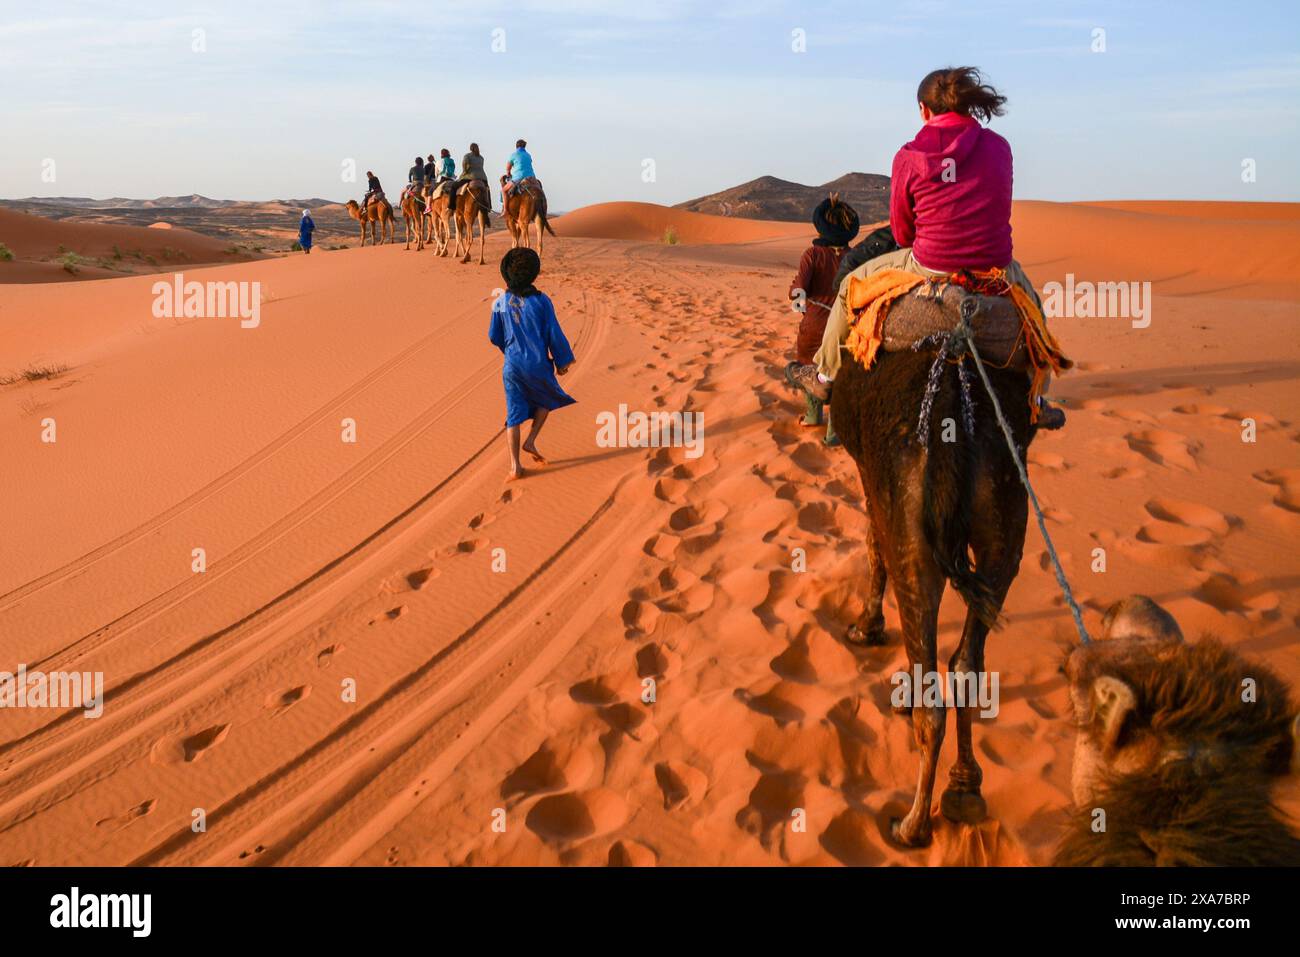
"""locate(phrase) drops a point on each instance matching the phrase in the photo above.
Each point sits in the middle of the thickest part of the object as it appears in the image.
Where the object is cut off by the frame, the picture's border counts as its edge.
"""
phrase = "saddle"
(896, 310)
(935, 307)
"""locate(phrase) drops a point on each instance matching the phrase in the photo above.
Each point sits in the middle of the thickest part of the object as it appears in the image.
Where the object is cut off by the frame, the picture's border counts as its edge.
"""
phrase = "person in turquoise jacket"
(519, 167)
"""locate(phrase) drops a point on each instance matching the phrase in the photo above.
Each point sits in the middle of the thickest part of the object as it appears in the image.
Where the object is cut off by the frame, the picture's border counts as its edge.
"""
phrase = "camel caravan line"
(436, 214)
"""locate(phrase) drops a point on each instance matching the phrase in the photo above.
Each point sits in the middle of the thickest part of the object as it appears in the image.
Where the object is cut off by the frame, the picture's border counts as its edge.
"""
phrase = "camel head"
(1146, 701)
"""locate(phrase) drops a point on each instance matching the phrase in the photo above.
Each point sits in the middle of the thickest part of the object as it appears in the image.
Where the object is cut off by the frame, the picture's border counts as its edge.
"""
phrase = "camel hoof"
(874, 637)
(919, 838)
(963, 807)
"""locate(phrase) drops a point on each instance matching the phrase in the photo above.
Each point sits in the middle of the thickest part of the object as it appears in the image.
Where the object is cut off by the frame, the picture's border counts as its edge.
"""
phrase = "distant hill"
(193, 201)
(271, 225)
(771, 198)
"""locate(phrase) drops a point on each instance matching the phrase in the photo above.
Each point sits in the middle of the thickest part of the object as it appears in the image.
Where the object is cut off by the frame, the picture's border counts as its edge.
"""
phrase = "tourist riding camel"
(446, 165)
(374, 192)
(473, 204)
(377, 215)
(519, 167)
(950, 211)
(415, 177)
(814, 288)
(471, 165)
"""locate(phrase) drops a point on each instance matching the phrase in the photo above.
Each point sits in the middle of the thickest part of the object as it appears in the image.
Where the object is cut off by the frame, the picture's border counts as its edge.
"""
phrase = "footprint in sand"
(593, 691)
(576, 816)
(626, 853)
(1288, 487)
(282, 702)
(851, 838)
(1058, 515)
(391, 614)
(1165, 448)
(549, 769)
(129, 816)
(1136, 416)
(640, 618)
(173, 750)
(652, 661)
(771, 803)
(1196, 408)
(326, 655)
(788, 702)
(662, 546)
(466, 546)
(1190, 514)
(670, 490)
(1123, 472)
(1225, 592)
(197, 745)
(421, 577)
(681, 784)
(1047, 461)
(481, 519)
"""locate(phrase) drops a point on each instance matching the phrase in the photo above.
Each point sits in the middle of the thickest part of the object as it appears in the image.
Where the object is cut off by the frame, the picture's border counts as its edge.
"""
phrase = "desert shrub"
(70, 262)
(296, 247)
(670, 236)
(6, 255)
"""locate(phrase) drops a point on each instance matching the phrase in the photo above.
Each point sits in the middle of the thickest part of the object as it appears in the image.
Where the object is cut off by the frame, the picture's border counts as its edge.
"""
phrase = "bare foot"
(536, 455)
(514, 475)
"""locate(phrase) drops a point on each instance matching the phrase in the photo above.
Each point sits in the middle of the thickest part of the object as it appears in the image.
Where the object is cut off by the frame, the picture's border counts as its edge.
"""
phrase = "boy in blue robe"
(526, 331)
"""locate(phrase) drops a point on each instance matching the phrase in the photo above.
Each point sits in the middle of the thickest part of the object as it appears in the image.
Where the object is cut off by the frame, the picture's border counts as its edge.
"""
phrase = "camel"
(380, 217)
(473, 202)
(1173, 751)
(930, 510)
(522, 210)
(414, 211)
(438, 215)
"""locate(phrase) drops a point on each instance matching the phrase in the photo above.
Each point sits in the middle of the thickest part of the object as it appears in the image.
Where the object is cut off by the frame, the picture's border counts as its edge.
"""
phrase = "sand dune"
(104, 250)
(648, 222)
(501, 639)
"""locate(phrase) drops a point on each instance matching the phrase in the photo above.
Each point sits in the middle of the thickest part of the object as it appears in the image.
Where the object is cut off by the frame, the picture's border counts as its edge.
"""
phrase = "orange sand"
(104, 249)
(521, 688)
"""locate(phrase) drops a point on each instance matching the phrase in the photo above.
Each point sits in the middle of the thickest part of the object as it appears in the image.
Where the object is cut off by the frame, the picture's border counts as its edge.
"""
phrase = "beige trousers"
(831, 355)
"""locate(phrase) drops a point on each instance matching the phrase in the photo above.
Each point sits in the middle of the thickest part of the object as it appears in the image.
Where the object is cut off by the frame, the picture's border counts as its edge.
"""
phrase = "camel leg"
(918, 586)
(482, 238)
(869, 629)
(999, 511)
(540, 237)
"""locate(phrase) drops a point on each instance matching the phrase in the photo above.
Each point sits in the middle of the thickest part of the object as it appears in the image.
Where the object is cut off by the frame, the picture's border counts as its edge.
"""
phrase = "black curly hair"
(519, 268)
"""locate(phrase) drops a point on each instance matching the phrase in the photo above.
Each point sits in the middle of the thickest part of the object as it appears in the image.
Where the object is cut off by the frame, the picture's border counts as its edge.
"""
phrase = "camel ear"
(1112, 702)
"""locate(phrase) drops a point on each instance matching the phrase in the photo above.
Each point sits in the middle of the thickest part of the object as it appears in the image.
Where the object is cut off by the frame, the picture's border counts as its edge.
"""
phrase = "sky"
(659, 101)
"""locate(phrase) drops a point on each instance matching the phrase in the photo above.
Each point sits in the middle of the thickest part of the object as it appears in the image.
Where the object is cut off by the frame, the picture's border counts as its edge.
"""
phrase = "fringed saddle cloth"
(896, 310)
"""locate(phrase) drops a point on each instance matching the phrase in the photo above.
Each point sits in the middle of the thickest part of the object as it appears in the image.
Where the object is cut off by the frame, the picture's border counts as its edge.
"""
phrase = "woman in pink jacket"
(949, 208)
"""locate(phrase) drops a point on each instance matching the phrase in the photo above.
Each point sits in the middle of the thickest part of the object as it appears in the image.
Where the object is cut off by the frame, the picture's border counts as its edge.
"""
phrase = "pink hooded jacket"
(961, 220)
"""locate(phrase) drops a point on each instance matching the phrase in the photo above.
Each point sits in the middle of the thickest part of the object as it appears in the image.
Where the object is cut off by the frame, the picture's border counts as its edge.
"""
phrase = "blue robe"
(304, 232)
(527, 333)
